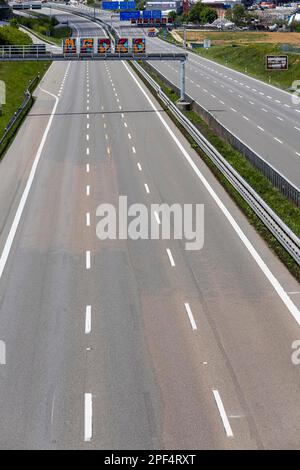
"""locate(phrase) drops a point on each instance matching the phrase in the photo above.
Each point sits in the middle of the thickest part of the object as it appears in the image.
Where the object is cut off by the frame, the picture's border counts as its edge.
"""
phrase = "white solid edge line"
(88, 319)
(223, 414)
(262, 265)
(22, 203)
(191, 316)
(88, 417)
(171, 257)
(222, 124)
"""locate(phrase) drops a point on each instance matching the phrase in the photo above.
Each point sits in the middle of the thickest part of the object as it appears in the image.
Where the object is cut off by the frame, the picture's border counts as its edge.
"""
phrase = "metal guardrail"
(22, 50)
(286, 187)
(20, 110)
(284, 235)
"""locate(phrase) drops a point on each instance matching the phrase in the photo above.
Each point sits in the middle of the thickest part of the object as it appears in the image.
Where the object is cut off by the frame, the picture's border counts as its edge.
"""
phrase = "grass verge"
(17, 76)
(289, 213)
(250, 60)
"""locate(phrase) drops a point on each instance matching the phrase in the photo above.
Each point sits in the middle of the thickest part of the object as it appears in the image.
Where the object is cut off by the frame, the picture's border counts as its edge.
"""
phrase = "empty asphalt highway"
(262, 116)
(133, 344)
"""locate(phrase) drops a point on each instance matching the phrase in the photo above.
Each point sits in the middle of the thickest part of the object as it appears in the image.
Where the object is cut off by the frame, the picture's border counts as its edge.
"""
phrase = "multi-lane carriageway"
(133, 344)
(262, 116)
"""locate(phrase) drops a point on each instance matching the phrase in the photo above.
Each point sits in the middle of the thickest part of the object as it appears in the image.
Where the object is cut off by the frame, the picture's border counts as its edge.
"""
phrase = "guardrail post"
(182, 80)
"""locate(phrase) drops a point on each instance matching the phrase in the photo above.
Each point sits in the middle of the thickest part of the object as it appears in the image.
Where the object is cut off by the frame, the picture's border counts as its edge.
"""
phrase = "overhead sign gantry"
(96, 49)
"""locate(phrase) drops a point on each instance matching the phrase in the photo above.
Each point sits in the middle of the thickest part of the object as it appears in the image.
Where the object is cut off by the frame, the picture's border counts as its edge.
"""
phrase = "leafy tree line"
(201, 14)
(42, 24)
(239, 15)
(198, 14)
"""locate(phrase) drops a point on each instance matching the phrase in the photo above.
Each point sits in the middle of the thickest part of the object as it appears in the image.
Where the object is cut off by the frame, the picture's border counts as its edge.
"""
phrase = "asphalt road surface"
(133, 344)
(262, 116)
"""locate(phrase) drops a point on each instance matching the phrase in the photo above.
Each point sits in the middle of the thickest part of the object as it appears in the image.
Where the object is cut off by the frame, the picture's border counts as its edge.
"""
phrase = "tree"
(172, 15)
(182, 18)
(208, 15)
(140, 4)
(237, 15)
(194, 13)
(13, 22)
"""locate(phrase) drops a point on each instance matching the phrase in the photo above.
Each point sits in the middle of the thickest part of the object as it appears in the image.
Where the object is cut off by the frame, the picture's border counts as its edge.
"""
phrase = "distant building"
(221, 7)
(165, 6)
(295, 18)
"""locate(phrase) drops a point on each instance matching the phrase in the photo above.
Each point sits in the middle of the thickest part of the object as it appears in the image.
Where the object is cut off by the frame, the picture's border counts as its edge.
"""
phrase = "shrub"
(10, 35)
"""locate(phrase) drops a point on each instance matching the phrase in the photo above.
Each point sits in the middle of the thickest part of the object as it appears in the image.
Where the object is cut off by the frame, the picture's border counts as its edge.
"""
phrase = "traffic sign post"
(277, 62)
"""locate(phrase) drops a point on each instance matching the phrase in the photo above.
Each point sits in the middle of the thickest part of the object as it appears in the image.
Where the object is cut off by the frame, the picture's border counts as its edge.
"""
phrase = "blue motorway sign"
(128, 15)
(156, 14)
(118, 5)
(110, 5)
(127, 5)
(148, 14)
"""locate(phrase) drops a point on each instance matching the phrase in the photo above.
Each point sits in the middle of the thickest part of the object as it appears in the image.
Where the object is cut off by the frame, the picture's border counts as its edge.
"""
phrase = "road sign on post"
(206, 43)
(277, 62)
